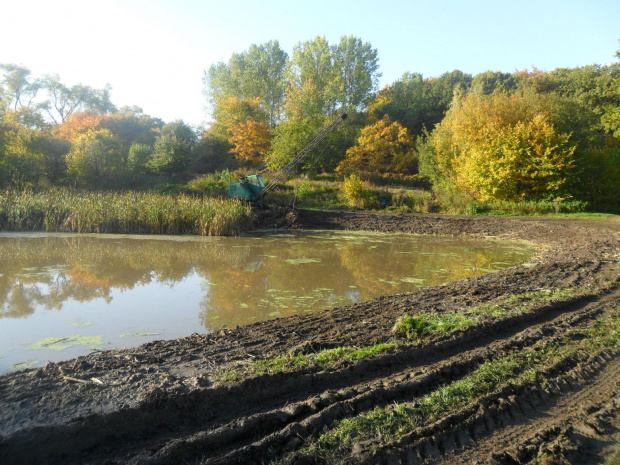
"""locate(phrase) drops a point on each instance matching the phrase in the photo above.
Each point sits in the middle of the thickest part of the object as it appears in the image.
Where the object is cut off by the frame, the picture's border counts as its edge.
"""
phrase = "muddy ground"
(164, 402)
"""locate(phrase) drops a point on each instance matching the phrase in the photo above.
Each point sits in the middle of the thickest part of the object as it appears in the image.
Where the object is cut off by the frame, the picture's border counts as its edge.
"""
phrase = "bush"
(356, 194)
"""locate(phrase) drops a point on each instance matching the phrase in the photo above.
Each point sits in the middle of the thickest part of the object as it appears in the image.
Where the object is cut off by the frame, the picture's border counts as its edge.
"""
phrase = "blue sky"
(153, 53)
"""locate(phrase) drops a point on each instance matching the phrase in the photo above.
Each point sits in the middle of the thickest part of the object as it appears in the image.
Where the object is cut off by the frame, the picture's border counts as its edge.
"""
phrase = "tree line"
(525, 135)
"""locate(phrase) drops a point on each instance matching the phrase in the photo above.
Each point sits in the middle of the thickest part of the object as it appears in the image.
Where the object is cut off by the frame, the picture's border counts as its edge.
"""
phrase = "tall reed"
(122, 212)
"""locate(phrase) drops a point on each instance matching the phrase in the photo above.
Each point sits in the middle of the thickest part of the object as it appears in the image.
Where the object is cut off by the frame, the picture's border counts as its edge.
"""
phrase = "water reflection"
(173, 286)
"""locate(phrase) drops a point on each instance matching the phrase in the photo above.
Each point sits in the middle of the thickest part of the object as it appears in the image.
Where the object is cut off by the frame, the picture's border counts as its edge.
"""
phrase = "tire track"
(296, 421)
(189, 425)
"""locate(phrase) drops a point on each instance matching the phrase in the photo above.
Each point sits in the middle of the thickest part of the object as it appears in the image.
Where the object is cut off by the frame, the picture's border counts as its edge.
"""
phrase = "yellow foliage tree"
(251, 141)
(381, 147)
(503, 147)
(231, 111)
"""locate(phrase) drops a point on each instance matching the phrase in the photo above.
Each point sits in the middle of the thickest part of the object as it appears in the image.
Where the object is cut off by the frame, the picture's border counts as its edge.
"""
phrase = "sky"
(154, 53)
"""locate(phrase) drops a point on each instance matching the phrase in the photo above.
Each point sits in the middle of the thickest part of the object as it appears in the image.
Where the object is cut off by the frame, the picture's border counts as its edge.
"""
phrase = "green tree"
(19, 90)
(94, 155)
(264, 79)
(173, 148)
(324, 78)
(132, 126)
(312, 87)
(22, 160)
(138, 158)
(356, 66)
(170, 155)
(64, 101)
(494, 81)
(415, 102)
(403, 101)
(257, 73)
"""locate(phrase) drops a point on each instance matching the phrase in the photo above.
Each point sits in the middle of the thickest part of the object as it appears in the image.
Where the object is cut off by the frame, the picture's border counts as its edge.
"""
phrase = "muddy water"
(65, 295)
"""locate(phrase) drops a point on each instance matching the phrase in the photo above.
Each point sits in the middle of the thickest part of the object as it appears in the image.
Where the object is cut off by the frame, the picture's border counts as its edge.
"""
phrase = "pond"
(64, 295)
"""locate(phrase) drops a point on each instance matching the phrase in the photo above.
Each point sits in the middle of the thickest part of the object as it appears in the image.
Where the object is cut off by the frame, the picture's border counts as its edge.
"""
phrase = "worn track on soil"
(158, 404)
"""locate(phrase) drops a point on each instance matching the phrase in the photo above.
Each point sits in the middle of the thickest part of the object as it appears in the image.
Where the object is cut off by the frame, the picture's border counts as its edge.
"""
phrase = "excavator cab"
(249, 188)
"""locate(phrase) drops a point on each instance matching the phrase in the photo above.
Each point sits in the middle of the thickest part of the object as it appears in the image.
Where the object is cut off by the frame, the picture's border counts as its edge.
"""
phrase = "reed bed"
(122, 213)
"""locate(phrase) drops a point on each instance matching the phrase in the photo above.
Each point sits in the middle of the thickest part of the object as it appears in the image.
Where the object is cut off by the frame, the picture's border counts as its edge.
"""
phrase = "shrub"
(356, 193)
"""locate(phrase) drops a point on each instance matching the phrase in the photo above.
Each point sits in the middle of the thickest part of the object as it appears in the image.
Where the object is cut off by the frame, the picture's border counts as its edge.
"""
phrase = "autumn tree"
(77, 125)
(250, 142)
(231, 111)
(502, 147)
(384, 146)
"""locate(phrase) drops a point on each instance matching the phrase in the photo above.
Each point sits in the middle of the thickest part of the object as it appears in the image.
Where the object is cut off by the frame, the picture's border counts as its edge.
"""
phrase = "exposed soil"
(158, 403)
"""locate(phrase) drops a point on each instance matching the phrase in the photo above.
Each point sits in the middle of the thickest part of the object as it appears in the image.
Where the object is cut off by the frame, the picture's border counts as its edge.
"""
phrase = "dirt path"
(157, 403)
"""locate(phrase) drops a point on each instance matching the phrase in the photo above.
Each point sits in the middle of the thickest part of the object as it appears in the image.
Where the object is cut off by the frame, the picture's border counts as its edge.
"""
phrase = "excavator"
(253, 189)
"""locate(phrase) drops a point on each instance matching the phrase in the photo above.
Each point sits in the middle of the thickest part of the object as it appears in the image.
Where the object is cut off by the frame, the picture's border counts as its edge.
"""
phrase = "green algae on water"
(23, 365)
(301, 261)
(79, 324)
(60, 343)
(137, 334)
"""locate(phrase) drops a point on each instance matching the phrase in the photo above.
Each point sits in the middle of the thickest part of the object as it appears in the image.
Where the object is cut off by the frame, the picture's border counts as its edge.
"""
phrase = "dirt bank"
(167, 402)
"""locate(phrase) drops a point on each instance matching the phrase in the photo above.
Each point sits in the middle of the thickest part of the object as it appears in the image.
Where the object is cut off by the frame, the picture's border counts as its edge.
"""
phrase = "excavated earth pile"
(534, 378)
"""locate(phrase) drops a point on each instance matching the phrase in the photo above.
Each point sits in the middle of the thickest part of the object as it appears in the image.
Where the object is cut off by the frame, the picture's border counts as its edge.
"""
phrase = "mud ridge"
(498, 410)
(330, 405)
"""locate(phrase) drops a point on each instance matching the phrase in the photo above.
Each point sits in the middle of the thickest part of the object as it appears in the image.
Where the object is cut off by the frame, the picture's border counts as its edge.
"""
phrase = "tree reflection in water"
(237, 280)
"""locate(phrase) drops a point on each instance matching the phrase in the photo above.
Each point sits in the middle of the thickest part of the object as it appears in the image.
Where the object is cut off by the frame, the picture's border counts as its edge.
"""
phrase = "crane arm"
(301, 156)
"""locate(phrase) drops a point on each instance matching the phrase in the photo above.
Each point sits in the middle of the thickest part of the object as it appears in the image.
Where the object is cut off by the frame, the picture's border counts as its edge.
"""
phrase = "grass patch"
(520, 369)
(428, 324)
(122, 213)
(213, 184)
(436, 324)
(615, 458)
(297, 361)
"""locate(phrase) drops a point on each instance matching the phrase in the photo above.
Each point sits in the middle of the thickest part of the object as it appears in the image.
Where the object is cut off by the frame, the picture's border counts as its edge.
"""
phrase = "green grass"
(297, 361)
(587, 215)
(122, 212)
(398, 194)
(437, 324)
(413, 327)
(426, 324)
(213, 184)
(520, 369)
(615, 458)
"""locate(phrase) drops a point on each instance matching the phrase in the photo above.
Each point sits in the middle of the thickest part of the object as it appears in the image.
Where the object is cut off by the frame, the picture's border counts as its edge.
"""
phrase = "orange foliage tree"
(251, 141)
(384, 146)
(78, 124)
